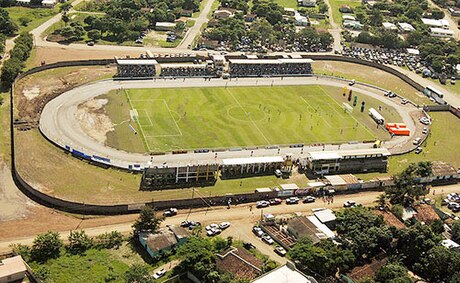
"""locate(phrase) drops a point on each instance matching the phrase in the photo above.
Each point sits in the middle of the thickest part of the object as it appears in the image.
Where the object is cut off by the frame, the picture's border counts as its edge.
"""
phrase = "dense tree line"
(18, 55)
(7, 25)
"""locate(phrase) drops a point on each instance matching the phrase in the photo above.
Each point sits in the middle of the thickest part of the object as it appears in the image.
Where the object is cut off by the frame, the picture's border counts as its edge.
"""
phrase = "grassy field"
(28, 19)
(287, 3)
(371, 76)
(172, 119)
(335, 6)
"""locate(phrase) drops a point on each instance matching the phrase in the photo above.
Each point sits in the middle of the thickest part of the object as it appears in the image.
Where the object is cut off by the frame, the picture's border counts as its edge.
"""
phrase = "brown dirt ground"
(50, 84)
(93, 120)
(52, 55)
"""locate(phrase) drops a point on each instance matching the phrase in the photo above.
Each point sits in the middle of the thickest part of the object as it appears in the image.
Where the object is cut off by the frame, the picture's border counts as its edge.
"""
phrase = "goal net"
(134, 115)
(347, 107)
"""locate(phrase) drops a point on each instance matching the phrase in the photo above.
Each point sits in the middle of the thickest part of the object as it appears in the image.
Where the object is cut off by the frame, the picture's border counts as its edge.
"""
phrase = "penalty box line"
(140, 127)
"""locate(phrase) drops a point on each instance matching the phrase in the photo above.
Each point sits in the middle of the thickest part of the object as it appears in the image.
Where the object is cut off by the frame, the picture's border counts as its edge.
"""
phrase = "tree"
(22, 250)
(456, 231)
(11, 68)
(79, 242)
(147, 221)
(323, 8)
(382, 202)
(437, 14)
(7, 26)
(109, 240)
(46, 246)
(437, 226)
(197, 256)
(94, 34)
(392, 272)
(439, 264)
(138, 273)
(65, 7)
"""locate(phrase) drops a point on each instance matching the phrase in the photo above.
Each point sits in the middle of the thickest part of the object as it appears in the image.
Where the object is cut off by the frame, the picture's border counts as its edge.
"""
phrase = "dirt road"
(196, 29)
(241, 218)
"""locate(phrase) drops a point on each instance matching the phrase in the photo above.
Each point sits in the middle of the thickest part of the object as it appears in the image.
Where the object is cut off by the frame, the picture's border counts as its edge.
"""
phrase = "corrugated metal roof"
(252, 160)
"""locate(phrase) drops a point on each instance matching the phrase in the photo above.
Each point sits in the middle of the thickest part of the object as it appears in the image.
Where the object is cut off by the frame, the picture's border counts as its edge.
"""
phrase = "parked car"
(90, 43)
(309, 199)
(352, 82)
(160, 273)
(224, 225)
(280, 251)
(248, 246)
(275, 201)
(404, 101)
(258, 231)
(292, 200)
(278, 173)
(418, 150)
(185, 223)
(392, 95)
(211, 226)
(213, 232)
(416, 141)
(425, 121)
(425, 131)
(267, 239)
(349, 203)
(170, 212)
(262, 203)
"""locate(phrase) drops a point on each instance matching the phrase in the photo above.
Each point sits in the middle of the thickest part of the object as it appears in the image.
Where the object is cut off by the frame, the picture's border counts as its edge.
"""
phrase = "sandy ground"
(93, 120)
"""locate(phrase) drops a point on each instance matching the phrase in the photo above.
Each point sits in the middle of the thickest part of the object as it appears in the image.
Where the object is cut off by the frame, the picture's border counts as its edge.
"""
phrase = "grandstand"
(136, 68)
(186, 70)
(269, 67)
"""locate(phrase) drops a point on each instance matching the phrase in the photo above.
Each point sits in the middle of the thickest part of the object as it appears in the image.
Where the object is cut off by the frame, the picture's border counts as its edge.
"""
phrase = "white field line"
(255, 125)
(172, 117)
(148, 116)
(140, 127)
(364, 126)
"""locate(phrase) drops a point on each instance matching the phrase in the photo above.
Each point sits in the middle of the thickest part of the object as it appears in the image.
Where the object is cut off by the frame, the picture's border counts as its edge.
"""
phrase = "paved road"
(336, 29)
(59, 124)
(193, 32)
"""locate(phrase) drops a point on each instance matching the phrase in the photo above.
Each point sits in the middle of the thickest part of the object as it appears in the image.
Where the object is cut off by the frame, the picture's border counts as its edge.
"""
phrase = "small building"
(346, 161)
(310, 227)
(441, 172)
(222, 14)
(454, 11)
(287, 273)
(448, 243)
(405, 27)
(186, 13)
(336, 182)
(23, 2)
(49, 3)
(306, 3)
(367, 270)
(240, 263)
(443, 24)
(12, 269)
(250, 166)
(440, 32)
(413, 51)
(290, 11)
(356, 25)
(389, 26)
(301, 20)
(165, 26)
(327, 217)
(426, 213)
(250, 17)
(164, 240)
(348, 18)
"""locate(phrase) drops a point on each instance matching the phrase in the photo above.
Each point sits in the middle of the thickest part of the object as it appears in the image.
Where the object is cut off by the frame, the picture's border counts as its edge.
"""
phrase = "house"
(309, 227)
(426, 213)
(367, 270)
(442, 24)
(287, 273)
(250, 17)
(345, 9)
(165, 26)
(389, 26)
(327, 217)
(353, 25)
(405, 27)
(290, 11)
(222, 14)
(166, 239)
(443, 33)
(390, 219)
(449, 244)
(12, 269)
(240, 263)
(23, 2)
(306, 3)
(49, 3)
(441, 172)
(301, 20)
(348, 18)
(186, 13)
(454, 11)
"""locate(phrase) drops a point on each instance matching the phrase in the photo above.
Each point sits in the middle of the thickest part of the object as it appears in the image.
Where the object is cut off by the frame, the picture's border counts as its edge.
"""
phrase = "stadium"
(216, 119)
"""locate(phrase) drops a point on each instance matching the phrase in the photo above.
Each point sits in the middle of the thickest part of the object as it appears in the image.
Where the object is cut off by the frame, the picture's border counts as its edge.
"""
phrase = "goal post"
(134, 115)
(347, 107)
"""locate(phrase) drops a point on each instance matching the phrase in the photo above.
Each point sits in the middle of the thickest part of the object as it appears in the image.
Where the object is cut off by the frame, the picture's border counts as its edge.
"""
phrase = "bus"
(431, 91)
(376, 116)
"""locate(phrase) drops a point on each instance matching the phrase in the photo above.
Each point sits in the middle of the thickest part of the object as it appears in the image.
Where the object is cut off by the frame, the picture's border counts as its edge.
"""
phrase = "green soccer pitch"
(198, 118)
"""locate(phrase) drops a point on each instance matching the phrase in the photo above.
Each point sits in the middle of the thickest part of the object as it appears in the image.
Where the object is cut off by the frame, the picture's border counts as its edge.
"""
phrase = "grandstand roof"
(322, 155)
(136, 62)
(182, 65)
(252, 160)
(254, 61)
(296, 60)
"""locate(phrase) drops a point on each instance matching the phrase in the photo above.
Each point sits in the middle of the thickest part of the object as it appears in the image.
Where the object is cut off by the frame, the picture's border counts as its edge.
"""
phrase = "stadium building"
(269, 67)
(136, 68)
(346, 161)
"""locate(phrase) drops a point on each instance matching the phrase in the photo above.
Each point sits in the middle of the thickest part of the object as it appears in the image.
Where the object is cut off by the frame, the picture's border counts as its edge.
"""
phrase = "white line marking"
(140, 127)
(164, 101)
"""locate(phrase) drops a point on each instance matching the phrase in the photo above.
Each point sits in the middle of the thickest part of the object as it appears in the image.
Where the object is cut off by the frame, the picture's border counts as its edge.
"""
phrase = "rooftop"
(325, 215)
(136, 61)
(239, 262)
(440, 168)
(12, 265)
(285, 274)
(336, 180)
(320, 155)
(426, 213)
(252, 160)
(304, 227)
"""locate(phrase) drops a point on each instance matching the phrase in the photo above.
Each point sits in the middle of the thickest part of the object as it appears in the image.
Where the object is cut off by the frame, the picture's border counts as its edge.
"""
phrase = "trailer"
(376, 116)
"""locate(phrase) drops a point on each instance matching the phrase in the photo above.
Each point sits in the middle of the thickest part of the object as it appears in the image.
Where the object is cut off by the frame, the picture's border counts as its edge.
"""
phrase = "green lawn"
(335, 6)
(171, 119)
(35, 16)
(287, 3)
(104, 265)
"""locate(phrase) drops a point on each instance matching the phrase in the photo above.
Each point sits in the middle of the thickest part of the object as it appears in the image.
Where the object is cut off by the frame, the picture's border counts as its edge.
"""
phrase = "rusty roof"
(239, 262)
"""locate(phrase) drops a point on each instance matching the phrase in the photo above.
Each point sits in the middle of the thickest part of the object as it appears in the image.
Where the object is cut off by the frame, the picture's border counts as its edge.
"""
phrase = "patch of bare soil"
(93, 120)
(34, 91)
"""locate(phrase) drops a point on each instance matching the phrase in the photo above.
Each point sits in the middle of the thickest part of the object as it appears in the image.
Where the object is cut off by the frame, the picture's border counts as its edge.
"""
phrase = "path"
(59, 124)
(193, 32)
(336, 29)
(241, 218)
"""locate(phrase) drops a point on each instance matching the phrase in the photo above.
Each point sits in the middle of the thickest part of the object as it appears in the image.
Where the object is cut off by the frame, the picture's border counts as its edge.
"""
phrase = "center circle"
(246, 113)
